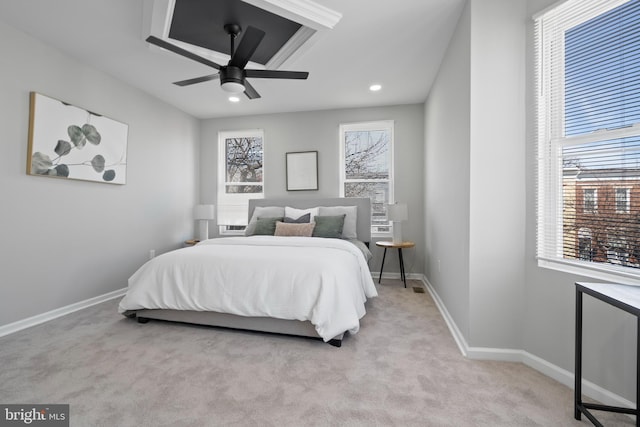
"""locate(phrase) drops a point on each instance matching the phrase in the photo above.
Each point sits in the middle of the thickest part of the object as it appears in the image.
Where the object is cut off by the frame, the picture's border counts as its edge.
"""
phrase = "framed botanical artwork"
(73, 143)
(302, 170)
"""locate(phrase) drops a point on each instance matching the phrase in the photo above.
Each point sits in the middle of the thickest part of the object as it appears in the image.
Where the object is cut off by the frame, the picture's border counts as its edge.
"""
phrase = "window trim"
(369, 126)
(549, 146)
(222, 169)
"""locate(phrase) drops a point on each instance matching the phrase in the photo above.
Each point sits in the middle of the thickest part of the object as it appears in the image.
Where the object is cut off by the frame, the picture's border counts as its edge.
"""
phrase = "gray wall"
(318, 130)
(65, 241)
(447, 151)
(475, 222)
(479, 139)
(497, 202)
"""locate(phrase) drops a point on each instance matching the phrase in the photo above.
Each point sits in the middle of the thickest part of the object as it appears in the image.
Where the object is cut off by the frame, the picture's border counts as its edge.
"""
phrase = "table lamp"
(203, 214)
(397, 213)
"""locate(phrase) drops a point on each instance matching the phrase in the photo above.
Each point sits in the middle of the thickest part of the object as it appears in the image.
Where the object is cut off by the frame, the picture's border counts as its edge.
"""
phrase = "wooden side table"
(402, 245)
(191, 242)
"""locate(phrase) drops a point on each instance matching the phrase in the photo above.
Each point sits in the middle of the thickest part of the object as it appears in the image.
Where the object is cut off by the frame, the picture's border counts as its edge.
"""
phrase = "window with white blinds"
(240, 177)
(588, 137)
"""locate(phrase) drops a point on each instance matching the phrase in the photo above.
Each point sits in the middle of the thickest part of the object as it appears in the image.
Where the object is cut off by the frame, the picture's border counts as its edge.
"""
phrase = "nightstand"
(191, 242)
(402, 245)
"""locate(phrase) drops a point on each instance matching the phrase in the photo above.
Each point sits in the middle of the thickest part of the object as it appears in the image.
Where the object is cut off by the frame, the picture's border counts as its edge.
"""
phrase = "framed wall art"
(73, 143)
(302, 170)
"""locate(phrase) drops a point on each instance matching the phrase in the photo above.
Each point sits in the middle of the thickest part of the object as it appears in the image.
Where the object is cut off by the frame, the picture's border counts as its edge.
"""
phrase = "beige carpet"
(402, 369)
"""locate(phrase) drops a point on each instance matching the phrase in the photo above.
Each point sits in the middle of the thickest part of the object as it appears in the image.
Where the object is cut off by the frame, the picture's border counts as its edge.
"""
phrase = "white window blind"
(588, 136)
(240, 176)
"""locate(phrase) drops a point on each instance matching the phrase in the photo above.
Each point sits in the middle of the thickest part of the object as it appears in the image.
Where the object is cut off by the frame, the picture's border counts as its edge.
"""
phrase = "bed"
(305, 286)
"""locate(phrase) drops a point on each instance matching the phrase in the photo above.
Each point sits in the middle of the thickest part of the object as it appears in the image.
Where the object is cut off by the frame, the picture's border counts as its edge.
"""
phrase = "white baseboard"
(410, 276)
(58, 312)
(557, 373)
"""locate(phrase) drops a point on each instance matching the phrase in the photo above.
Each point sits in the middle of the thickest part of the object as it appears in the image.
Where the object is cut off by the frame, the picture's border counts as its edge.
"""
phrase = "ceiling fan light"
(234, 98)
(232, 87)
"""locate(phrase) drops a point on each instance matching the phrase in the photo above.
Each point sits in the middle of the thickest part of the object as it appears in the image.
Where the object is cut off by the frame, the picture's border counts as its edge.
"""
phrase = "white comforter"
(325, 281)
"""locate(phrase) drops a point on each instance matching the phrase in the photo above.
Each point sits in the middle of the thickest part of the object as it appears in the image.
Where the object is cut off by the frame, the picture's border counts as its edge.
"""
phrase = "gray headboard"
(363, 226)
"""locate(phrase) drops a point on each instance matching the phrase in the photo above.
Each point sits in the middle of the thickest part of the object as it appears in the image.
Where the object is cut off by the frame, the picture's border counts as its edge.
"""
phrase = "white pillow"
(294, 213)
(349, 231)
(263, 212)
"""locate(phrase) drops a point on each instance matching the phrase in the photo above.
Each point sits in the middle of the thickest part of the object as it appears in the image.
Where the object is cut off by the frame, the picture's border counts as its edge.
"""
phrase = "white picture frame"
(302, 171)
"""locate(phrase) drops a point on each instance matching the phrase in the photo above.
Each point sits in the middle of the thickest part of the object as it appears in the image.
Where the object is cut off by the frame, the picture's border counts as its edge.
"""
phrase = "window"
(584, 244)
(623, 202)
(588, 138)
(590, 200)
(366, 158)
(240, 177)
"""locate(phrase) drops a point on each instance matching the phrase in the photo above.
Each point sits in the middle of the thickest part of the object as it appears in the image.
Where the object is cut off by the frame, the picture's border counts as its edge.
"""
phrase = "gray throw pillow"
(302, 220)
(329, 226)
(266, 226)
(262, 212)
(350, 229)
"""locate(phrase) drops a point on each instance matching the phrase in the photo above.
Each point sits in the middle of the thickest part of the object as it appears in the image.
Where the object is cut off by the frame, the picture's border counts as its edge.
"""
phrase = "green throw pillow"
(266, 226)
(329, 226)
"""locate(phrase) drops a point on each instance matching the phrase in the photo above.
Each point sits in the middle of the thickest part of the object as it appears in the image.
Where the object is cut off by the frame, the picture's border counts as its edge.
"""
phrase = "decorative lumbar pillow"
(349, 231)
(293, 229)
(297, 213)
(266, 226)
(263, 212)
(329, 226)
(303, 219)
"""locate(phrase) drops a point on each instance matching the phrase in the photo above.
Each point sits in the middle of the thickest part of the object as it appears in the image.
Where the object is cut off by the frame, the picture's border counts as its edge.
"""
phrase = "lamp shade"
(398, 212)
(204, 212)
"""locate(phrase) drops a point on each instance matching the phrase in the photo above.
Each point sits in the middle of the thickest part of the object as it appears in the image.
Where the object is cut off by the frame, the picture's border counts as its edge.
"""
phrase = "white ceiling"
(398, 44)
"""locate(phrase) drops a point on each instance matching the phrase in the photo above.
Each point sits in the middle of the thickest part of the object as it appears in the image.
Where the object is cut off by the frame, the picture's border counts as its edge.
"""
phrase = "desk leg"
(402, 276)
(577, 414)
(384, 254)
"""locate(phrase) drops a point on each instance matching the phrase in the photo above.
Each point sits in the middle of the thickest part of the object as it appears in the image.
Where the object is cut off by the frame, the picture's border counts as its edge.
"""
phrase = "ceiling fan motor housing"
(232, 79)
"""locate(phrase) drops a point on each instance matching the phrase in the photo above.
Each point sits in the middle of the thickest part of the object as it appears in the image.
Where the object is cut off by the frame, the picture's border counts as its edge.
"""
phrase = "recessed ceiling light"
(234, 99)
(375, 88)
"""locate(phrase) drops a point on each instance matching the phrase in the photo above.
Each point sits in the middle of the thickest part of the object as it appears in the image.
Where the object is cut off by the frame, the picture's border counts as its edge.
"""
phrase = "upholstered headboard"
(363, 226)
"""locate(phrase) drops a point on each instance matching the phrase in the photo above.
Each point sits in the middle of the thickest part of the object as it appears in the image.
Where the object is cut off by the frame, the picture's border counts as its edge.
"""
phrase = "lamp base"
(397, 231)
(203, 229)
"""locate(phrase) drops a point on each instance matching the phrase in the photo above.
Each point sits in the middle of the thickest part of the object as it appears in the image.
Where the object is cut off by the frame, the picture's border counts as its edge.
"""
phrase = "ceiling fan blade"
(276, 74)
(250, 91)
(197, 80)
(180, 51)
(248, 45)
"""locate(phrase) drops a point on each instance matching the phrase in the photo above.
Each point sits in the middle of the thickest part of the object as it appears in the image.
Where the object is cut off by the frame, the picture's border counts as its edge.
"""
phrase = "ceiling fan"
(233, 76)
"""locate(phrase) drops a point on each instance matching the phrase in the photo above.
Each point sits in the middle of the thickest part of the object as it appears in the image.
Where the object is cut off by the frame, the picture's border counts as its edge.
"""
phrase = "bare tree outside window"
(367, 150)
(244, 165)
(240, 177)
(366, 155)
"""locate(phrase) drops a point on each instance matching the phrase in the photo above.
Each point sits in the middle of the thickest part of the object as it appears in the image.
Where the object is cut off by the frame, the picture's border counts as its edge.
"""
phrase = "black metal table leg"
(402, 276)
(577, 397)
(384, 254)
(618, 296)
